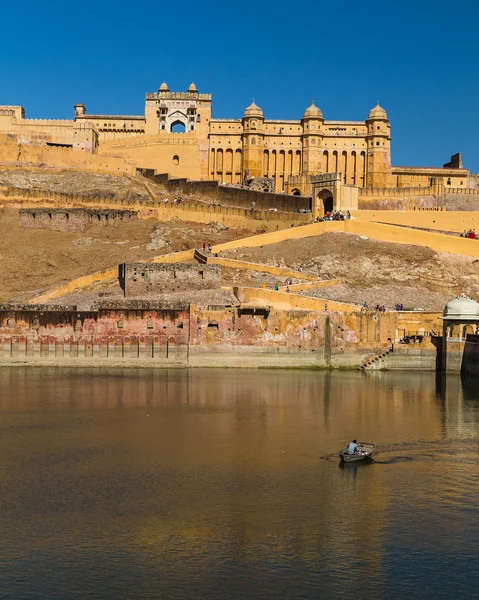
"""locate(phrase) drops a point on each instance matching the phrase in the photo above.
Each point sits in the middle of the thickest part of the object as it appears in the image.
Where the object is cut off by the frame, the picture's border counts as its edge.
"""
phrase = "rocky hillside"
(375, 272)
(34, 259)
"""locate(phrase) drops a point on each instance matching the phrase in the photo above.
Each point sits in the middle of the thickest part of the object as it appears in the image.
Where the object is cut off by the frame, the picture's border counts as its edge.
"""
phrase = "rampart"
(146, 279)
(195, 211)
(72, 219)
(231, 195)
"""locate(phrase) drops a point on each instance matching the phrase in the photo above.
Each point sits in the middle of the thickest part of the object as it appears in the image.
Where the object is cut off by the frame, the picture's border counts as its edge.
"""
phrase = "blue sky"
(418, 58)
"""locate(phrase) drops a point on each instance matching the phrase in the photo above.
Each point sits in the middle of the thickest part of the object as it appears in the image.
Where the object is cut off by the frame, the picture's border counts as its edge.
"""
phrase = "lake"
(220, 484)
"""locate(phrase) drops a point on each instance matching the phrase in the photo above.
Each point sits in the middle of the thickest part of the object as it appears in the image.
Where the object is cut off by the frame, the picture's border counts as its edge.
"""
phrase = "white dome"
(462, 308)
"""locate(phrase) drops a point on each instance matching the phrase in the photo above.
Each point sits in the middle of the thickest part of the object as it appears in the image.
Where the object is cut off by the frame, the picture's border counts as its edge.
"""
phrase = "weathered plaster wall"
(244, 336)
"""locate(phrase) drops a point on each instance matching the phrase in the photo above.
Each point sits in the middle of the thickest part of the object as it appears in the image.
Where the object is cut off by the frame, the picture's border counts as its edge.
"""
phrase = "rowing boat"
(363, 452)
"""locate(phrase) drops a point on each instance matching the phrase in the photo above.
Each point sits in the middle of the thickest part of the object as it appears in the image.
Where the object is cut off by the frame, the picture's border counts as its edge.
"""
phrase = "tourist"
(204, 246)
(276, 288)
(348, 214)
(287, 289)
(253, 205)
(353, 447)
(326, 306)
(209, 248)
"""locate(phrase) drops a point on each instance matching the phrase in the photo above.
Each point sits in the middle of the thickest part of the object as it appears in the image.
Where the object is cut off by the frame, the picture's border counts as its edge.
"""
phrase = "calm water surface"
(215, 484)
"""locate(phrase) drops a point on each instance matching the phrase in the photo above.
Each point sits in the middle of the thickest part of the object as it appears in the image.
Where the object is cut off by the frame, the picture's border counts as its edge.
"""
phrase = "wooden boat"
(363, 452)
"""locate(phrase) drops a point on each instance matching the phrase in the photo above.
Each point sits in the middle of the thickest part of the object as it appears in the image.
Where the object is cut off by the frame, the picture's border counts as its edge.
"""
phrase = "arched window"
(176, 160)
(253, 141)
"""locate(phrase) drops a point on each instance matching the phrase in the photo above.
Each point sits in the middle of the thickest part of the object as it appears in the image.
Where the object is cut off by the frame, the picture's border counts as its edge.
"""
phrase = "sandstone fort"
(179, 135)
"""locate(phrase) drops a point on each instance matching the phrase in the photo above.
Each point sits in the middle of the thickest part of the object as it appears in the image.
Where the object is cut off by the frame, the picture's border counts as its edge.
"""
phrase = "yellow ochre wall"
(227, 149)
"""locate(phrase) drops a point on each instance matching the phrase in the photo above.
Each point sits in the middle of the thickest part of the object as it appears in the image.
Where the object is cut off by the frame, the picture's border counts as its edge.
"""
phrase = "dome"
(462, 308)
(253, 111)
(377, 112)
(164, 87)
(192, 88)
(313, 112)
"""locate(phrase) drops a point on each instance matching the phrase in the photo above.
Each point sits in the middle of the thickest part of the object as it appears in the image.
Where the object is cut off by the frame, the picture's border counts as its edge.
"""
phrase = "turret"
(379, 148)
(80, 109)
(312, 123)
(253, 136)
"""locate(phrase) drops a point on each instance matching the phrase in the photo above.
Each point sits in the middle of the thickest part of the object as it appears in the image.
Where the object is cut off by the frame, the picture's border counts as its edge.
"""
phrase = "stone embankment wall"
(131, 332)
(72, 219)
(419, 198)
(231, 195)
(145, 279)
(462, 200)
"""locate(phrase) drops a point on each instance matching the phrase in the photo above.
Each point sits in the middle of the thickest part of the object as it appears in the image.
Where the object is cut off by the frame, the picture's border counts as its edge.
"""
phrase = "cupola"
(377, 112)
(163, 88)
(253, 111)
(192, 88)
(462, 308)
(313, 112)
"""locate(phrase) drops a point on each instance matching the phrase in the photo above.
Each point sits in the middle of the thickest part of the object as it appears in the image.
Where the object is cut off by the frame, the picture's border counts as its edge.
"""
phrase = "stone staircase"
(375, 362)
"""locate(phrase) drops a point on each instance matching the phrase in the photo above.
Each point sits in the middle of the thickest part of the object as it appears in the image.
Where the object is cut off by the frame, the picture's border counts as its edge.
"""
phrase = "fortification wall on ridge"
(72, 219)
(231, 195)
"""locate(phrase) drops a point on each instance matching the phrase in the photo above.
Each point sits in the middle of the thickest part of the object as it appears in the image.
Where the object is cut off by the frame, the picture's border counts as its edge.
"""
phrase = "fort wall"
(72, 219)
(198, 212)
(146, 279)
(140, 333)
(39, 154)
(233, 196)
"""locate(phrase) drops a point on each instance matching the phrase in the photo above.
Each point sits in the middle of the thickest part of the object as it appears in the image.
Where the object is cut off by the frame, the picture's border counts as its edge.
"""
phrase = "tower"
(312, 122)
(379, 148)
(253, 140)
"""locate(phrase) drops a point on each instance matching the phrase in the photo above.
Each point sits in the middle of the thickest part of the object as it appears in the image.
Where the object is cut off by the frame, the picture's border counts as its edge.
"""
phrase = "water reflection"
(174, 484)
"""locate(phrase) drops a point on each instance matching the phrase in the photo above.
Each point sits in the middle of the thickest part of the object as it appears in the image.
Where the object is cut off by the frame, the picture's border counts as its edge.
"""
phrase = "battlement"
(71, 219)
(177, 96)
(46, 122)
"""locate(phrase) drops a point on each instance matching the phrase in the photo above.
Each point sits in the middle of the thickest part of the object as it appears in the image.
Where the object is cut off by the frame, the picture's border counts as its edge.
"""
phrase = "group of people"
(210, 248)
(471, 234)
(303, 211)
(381, 308)
(177, 200)
(215, 203)
(335, 215)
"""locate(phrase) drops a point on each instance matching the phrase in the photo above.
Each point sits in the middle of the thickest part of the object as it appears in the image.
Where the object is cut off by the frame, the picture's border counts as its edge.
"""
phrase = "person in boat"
(353, 447)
